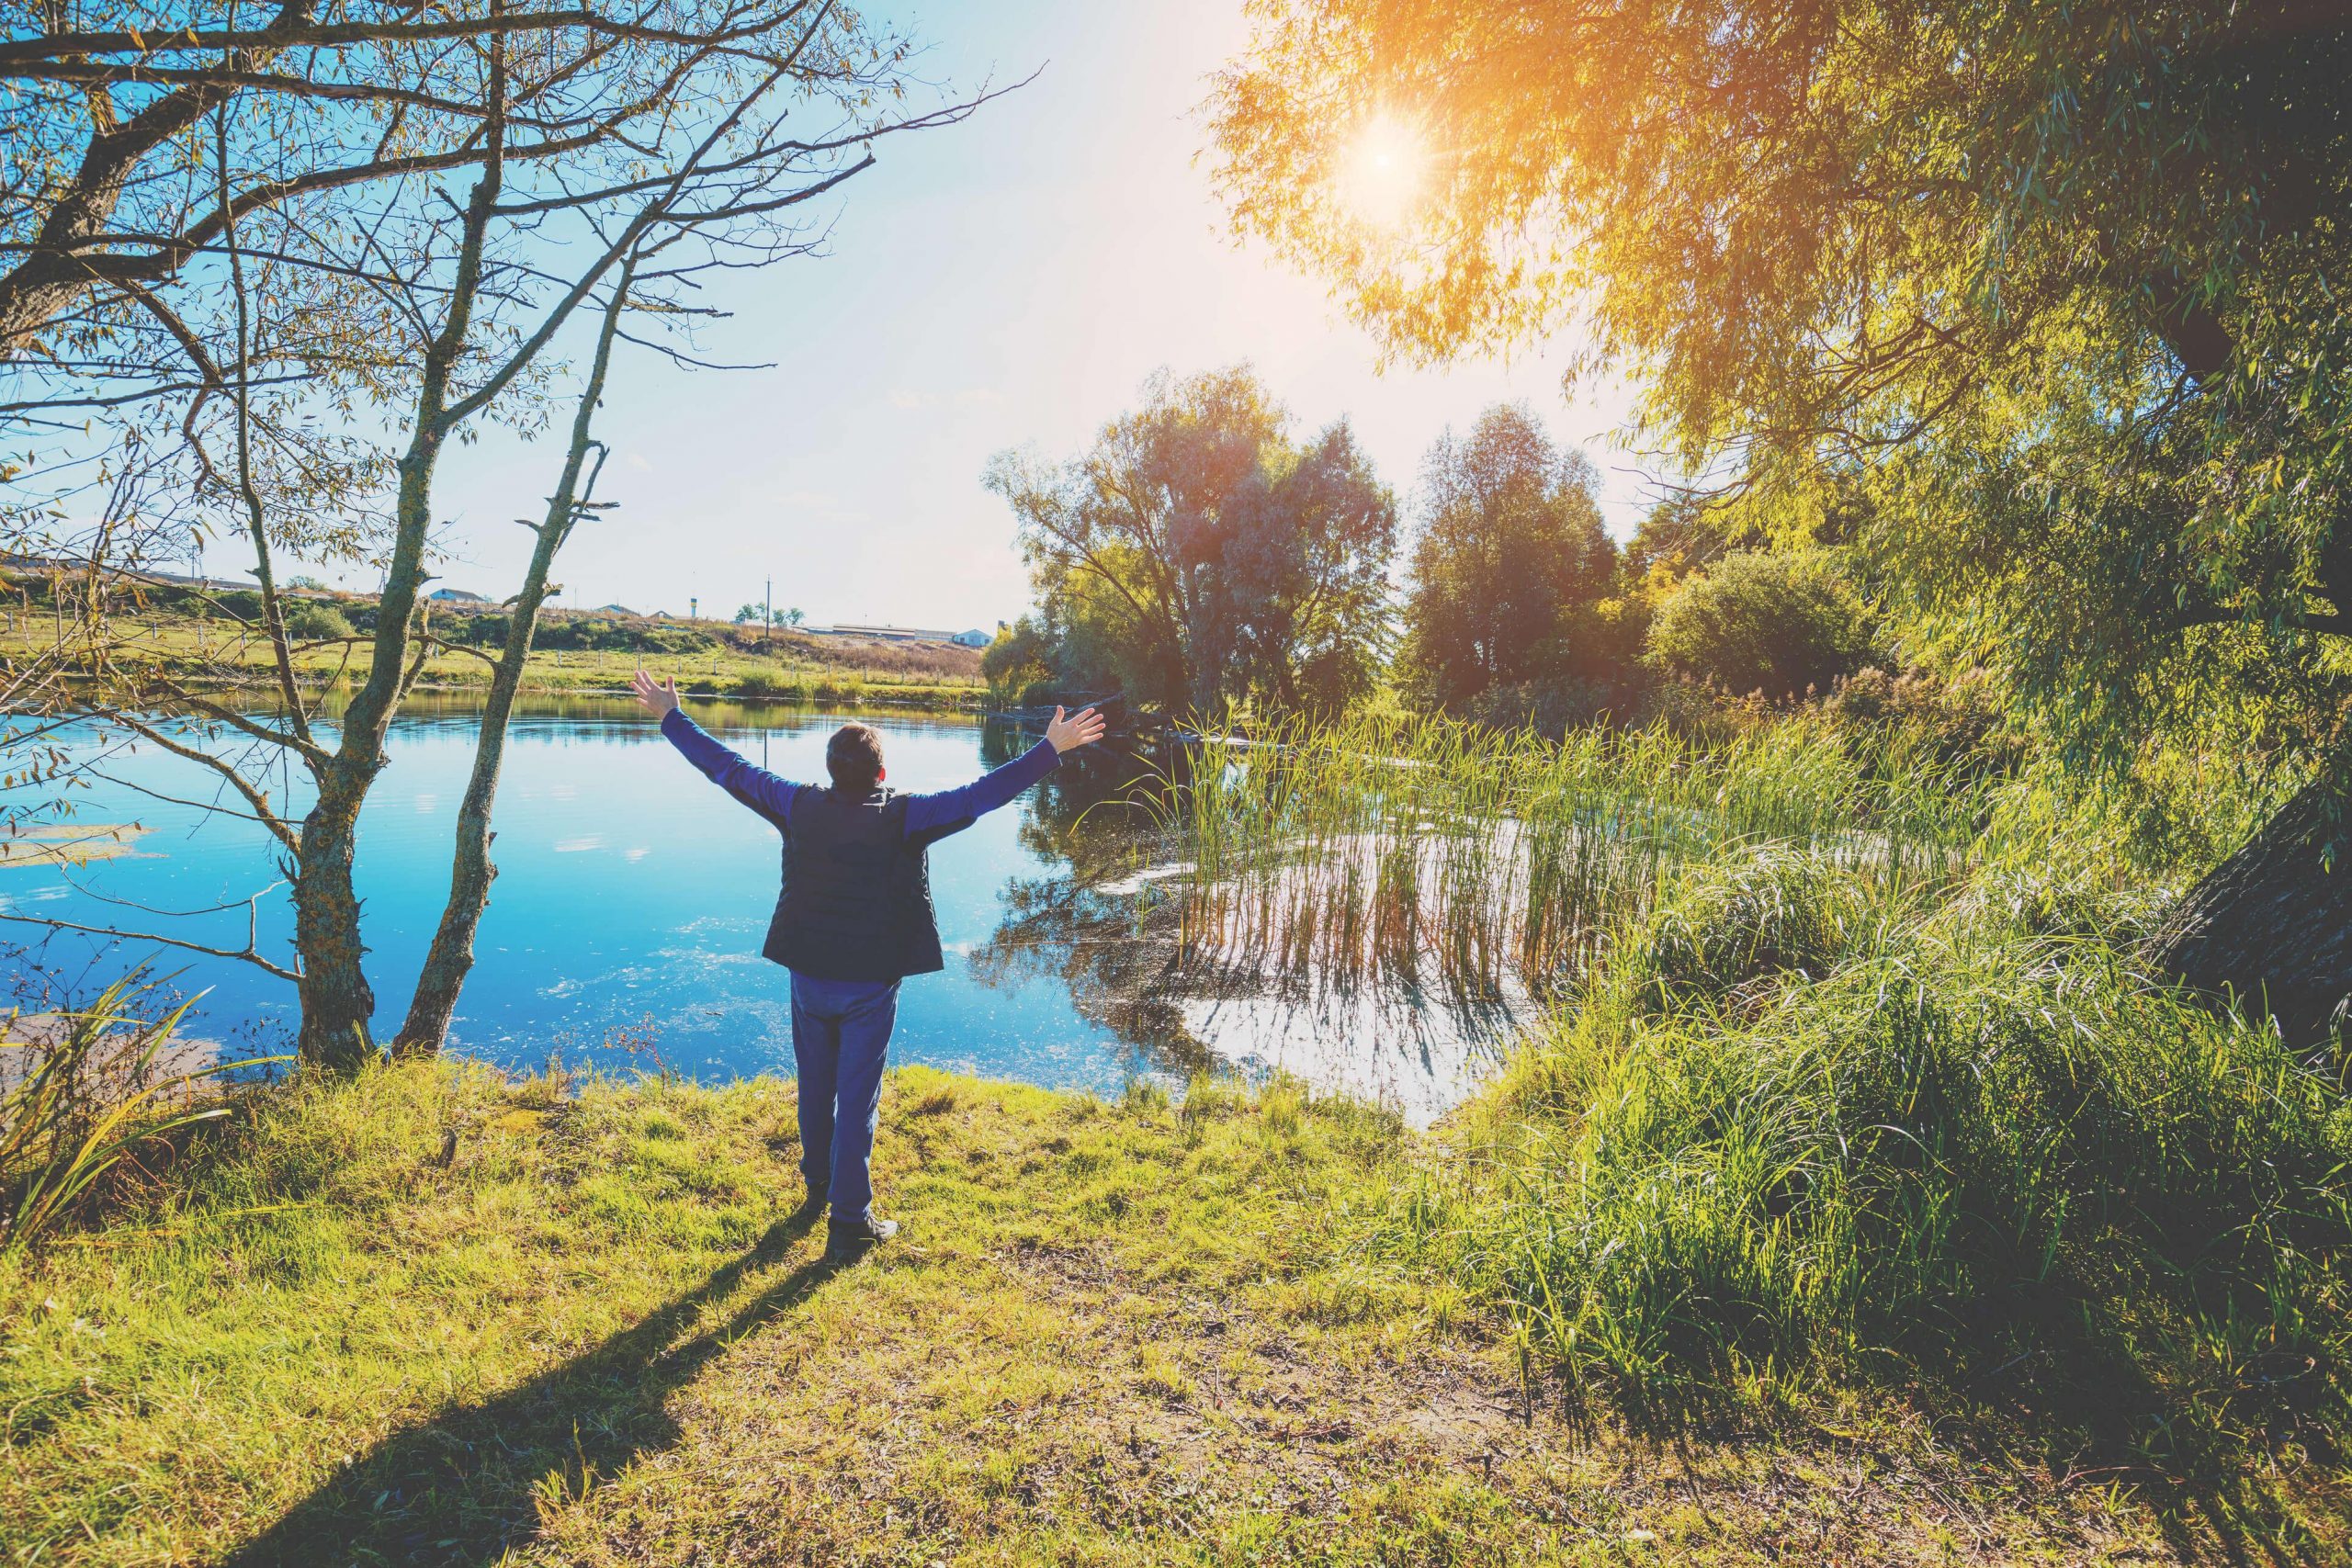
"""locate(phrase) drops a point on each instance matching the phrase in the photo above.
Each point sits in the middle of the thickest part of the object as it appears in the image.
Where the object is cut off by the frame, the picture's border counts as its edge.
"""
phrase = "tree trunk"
(451, 958)
(336, 1000)
(2271, 926)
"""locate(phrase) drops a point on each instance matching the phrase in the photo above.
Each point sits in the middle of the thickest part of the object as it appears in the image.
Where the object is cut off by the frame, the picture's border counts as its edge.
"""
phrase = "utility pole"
(767, 622)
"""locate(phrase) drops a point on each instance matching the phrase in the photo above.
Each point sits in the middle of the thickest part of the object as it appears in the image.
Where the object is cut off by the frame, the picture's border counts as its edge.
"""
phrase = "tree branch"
(248, 956)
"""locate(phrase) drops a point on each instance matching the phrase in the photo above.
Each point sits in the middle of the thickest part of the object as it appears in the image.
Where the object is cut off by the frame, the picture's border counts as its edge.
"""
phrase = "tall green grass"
(1425, 850)
(1850, 1071)
(79, 1094)
(1800, 1128)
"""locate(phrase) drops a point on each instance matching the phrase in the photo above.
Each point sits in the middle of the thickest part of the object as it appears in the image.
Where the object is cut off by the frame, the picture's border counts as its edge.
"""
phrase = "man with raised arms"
(854, 919)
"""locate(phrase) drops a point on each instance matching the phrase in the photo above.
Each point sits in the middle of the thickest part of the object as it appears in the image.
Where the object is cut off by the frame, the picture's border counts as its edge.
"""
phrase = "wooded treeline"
(1204, 560)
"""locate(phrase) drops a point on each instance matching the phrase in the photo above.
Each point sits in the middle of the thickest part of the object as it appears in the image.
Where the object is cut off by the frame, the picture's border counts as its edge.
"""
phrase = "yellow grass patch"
(67, 843)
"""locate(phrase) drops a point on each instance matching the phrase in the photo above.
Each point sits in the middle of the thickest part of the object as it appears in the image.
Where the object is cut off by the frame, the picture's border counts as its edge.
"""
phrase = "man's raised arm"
(950, 810)
(755, 787)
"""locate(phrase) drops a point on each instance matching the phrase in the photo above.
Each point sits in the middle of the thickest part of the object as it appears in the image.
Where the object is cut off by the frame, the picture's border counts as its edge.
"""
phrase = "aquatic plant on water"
(1433, 852)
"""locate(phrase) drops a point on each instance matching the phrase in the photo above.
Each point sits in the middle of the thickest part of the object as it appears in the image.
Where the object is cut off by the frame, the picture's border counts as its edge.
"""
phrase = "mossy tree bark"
(338, 1001)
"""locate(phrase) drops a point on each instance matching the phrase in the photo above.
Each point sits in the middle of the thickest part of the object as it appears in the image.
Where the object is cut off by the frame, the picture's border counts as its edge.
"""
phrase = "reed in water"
(1428, 852)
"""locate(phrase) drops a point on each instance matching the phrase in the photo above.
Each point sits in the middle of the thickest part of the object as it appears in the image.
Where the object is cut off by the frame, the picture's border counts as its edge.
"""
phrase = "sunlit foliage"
(2060, 286)
(1785, 623)
(1198, 554)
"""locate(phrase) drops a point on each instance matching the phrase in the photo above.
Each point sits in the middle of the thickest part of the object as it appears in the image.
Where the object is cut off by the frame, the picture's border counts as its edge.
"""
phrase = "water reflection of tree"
(1113, 948)
(1105, 924)
(1117, 968)
(1098, 810)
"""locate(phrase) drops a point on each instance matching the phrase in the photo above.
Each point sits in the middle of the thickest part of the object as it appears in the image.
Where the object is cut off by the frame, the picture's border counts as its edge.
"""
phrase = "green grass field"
(1118, 1333)
(725, 661)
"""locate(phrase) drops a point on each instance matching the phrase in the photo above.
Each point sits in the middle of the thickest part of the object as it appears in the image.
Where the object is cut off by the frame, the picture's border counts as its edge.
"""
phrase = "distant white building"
(973, 638)
(886, 634)
(457, 596)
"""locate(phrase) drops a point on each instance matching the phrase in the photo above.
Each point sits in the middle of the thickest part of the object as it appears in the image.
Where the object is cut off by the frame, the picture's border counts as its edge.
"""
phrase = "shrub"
(797, 687)
(1016, 660)
(1958, 721)
(1550, 708)
(1782, 622)
(1763, 915)
(665, 637)
(589, 634)
(310, 619)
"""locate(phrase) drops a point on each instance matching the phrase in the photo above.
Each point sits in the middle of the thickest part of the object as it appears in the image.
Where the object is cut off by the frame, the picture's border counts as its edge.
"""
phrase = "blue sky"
(1007, 282)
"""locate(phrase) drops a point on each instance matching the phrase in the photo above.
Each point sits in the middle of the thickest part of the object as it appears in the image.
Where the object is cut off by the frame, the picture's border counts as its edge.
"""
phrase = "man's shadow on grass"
(465, 1487)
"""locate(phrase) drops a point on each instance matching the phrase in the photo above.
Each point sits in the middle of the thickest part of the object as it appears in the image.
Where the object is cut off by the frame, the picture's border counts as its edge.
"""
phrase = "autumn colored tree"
(1211, 556)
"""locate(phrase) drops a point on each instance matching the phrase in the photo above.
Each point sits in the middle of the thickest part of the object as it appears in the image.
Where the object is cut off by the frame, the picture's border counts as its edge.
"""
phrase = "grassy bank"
(577, 654)
(1859, 1202)
(1112, 1333)
(1798, 1137)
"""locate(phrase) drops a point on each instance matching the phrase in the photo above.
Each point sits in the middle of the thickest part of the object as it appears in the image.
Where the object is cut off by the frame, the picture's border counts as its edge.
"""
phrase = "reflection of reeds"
(1424, 850)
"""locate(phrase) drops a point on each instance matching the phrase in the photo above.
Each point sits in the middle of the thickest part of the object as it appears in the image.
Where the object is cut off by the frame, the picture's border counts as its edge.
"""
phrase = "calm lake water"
(633, 895)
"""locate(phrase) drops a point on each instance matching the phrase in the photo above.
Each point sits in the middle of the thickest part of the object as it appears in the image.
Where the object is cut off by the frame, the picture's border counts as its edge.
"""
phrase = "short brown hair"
(854, 756)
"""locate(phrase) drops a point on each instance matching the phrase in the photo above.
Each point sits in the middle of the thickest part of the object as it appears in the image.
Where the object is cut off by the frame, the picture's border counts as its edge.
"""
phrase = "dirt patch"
(1245, 1410)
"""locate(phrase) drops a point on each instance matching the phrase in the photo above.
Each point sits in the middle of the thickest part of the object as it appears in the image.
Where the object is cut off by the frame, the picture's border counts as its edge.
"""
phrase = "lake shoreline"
(632, 898)
(842, 693)
(593, 653)
(1126, 1329)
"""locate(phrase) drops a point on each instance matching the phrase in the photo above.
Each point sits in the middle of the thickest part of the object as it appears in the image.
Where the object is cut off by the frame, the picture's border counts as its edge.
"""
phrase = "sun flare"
(1383, 172)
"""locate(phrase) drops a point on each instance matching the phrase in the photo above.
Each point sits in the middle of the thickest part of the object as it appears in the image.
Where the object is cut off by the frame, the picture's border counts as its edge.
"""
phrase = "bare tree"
(108, 104)
(451, 959)
(699, 158)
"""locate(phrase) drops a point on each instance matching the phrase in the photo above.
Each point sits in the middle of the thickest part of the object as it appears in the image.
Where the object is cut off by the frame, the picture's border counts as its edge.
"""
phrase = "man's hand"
(1067, 735)
(660, 698)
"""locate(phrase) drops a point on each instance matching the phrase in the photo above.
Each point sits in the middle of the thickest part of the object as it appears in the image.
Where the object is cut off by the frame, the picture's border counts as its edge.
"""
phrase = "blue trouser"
(841, 1034)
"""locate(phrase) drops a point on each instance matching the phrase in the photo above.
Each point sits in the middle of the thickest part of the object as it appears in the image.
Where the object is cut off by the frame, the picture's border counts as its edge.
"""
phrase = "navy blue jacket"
(821, 930)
